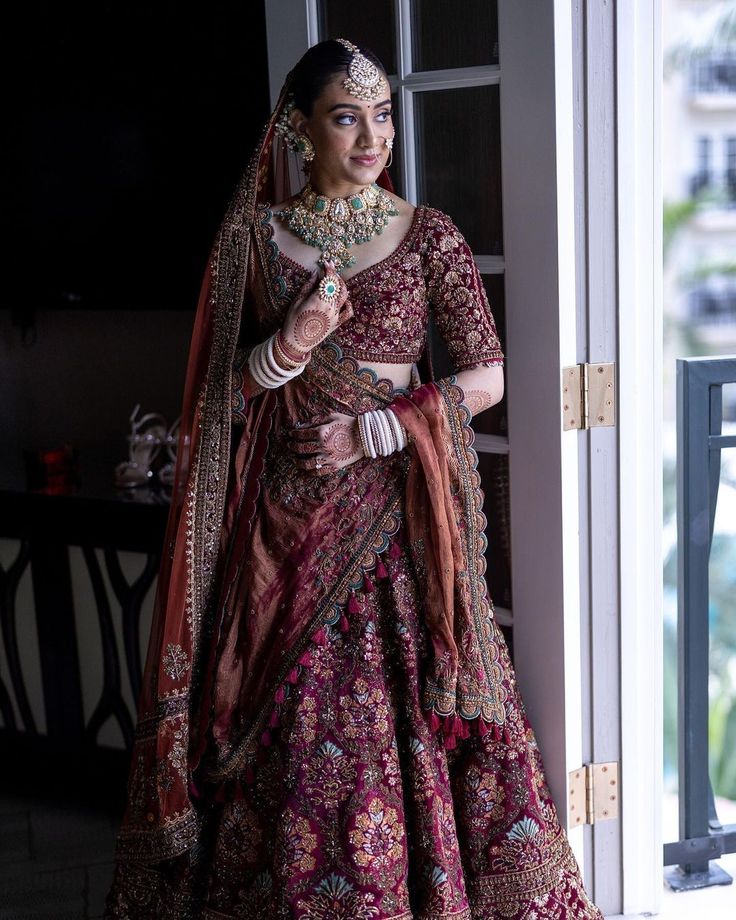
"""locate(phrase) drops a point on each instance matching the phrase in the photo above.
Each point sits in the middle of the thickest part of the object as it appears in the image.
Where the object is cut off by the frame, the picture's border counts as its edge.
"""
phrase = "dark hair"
(317, 67)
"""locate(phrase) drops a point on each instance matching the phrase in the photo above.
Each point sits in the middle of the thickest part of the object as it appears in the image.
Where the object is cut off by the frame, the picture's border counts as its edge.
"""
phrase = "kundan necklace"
(335, 224)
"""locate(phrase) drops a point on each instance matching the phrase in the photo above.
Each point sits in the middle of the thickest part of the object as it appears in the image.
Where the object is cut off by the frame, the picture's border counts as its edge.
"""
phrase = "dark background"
(127, 126)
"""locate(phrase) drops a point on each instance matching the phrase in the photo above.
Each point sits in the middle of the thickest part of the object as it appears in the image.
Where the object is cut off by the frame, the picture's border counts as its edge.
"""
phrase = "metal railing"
(720, 186)
(713, 74)
(713, 307)
(699, 444)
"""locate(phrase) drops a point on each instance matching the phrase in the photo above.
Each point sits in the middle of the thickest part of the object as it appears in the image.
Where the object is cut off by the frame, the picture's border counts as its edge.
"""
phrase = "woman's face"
(349, 138)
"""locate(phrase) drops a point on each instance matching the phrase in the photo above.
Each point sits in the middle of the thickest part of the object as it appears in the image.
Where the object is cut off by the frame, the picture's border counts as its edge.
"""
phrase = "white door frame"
(639, 79)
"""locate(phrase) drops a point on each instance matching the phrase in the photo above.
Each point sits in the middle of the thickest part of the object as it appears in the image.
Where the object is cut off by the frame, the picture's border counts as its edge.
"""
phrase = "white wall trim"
(541, 304)
(639, 415)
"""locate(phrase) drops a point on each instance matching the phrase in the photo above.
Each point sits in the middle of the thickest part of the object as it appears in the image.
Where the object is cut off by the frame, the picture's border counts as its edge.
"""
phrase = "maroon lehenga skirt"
(357, 809)
(359, 812)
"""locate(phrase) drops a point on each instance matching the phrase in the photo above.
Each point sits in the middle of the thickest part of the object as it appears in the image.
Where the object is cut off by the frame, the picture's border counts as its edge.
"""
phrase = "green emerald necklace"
(333, 225)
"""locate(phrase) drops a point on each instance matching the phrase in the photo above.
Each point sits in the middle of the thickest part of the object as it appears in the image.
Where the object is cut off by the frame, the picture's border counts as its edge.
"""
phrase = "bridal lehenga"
(310, 743)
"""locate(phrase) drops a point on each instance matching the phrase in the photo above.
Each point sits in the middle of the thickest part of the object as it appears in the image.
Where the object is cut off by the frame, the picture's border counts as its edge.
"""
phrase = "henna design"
(311, 327)
(339, 441)
(478, 400)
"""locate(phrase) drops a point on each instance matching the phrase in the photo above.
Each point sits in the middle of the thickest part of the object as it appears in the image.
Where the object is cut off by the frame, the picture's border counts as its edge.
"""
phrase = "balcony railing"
(719, 188)
(713, 74)
(699, 444)
(712, 307)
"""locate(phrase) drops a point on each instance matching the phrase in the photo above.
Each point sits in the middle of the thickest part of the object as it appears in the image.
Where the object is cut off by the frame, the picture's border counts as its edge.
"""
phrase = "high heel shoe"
(146, 438)
(167, 471)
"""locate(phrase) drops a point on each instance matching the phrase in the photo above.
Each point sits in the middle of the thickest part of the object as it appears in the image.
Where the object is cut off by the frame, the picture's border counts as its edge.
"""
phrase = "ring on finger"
(329, 289)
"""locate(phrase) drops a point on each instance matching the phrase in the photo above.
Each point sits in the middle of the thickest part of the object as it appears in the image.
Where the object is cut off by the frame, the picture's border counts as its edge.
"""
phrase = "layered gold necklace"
(333, 225)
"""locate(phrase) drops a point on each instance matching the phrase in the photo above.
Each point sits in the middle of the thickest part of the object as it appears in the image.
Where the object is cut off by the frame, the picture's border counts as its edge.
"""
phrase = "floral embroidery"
(336, 899)
(238, 403)
(175, 661)
(344, 816)
(330, 776)
(378, 840)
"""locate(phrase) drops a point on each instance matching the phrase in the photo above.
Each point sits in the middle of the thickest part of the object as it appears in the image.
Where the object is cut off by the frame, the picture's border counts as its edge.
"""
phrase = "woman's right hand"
(310, 318)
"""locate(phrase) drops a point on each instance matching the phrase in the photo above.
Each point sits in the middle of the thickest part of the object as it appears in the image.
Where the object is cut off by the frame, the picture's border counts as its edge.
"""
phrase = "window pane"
(369, 25)
(459, 160)
(494, 476)
(394, 170)
(454, 35)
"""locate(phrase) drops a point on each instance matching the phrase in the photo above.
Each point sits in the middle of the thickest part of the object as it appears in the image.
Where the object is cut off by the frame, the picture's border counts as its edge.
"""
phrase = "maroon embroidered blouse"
(432, 269)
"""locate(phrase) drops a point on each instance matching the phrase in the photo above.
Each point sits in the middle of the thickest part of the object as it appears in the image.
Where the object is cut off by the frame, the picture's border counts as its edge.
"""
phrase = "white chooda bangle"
(274, 366)
(381, 432)
(386, 433)
(377, 433)
(264, 368)
(398, 429)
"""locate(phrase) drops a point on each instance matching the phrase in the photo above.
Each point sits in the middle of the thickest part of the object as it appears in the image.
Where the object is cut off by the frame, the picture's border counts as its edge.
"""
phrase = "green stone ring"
(328, 289)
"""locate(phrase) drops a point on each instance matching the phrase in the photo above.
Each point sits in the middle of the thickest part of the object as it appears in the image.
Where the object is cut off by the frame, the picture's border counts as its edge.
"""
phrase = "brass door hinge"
(588, 396)
(593, 792)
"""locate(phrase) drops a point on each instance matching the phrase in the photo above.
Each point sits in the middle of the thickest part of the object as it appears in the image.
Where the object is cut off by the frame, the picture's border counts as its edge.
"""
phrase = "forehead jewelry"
(364, 80)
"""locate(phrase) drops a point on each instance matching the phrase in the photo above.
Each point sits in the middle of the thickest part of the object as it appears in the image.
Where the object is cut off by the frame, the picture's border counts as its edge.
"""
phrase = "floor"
(715, 903)
(56, 864)
(55, 860)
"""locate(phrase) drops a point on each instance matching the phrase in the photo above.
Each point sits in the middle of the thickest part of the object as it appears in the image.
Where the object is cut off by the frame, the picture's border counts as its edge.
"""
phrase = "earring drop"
(390, 144)
(306, 148)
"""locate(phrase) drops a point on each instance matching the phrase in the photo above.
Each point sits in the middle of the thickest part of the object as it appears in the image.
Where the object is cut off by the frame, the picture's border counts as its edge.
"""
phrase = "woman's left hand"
(327, 447)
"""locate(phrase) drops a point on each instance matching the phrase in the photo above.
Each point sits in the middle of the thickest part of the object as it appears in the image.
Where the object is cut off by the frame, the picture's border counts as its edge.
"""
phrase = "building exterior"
(699, 188)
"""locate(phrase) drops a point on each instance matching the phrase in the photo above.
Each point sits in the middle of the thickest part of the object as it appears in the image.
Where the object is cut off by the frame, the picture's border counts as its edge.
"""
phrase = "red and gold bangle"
(362, 438)
(286, 355)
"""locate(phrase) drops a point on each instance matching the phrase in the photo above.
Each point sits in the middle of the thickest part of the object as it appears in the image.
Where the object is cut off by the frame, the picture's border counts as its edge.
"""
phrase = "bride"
(330, 725)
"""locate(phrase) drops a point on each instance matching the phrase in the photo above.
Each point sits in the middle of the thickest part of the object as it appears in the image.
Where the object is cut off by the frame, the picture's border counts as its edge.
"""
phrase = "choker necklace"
(335, 224)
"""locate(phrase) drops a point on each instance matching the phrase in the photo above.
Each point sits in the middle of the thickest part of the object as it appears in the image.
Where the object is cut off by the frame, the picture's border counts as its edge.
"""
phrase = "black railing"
(44, 527)
(713, 74)
(717, 308)
(699, 444)
(720, 187)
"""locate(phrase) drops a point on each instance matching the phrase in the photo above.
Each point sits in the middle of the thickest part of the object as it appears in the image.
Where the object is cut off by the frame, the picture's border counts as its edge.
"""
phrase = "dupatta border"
(491, 707)
(170, 834)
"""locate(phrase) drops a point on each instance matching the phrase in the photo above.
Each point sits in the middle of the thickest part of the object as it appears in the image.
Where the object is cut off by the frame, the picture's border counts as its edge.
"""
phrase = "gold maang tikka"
(364, 81)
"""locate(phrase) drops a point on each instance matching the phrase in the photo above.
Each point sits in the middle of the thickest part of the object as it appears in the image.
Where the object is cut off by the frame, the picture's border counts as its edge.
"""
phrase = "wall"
(80, 380)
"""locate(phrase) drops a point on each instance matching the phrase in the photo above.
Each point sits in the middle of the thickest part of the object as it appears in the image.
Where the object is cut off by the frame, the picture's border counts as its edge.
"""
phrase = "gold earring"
(306, 148)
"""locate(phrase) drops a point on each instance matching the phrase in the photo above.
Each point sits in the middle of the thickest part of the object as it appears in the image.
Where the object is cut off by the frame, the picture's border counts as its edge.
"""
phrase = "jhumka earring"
(306, 148)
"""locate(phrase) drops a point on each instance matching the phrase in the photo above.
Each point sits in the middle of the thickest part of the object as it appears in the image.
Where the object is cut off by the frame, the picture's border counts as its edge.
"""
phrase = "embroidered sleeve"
(457, 298)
